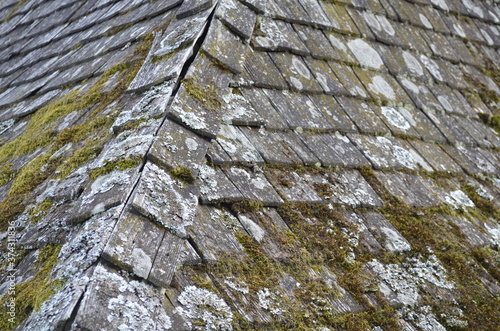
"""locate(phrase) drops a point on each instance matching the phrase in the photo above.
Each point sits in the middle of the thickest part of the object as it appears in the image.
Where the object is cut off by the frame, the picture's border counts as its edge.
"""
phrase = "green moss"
(131, 125)
(14, 10)
(247, 206)
(38, 212)
(119, 165)
(76, 46)
(183, 174)
(487, 207)
(87, 138)
(426, 228)
(323, 189)
(32, 174)
(31, 294)
(495, 123)
(489, 259)
(6, 174)
(315, 246)
(206, 95)
(80, 157)
(323, 231)
(156, 59)
(117, 29)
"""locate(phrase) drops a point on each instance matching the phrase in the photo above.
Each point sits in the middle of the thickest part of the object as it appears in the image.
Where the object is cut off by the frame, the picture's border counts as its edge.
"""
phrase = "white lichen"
(458, 199)
(270, 301)
(365, 54)
(380, 86)
(202, 306)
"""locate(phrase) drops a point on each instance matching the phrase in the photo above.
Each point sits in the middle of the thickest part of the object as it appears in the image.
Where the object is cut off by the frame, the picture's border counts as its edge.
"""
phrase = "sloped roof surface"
(249, 164)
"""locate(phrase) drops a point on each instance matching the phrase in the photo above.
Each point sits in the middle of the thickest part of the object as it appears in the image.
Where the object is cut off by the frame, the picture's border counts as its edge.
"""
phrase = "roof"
(249, 164)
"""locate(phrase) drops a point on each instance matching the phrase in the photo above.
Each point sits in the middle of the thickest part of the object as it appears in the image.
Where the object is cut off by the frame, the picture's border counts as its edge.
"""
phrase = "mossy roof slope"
(250, 164)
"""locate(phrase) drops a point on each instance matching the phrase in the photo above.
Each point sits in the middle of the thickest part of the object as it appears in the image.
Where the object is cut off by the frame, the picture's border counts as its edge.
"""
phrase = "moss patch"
(316, 245)
(86, 138)
(246, 206)
(14, 10)
(39, 211)
(31, 294)
(206, 95)
(6, 174)
(426, 228)
(495, 123)
(183, 174)
(119, 165)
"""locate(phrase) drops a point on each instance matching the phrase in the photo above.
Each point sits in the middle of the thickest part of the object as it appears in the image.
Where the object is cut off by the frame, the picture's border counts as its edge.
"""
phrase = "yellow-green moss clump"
(119, 165)
(30, 295)
(183, 174)
(206, 95)
(247, 206)
(6, 174)
(495, 123)
(40, 210)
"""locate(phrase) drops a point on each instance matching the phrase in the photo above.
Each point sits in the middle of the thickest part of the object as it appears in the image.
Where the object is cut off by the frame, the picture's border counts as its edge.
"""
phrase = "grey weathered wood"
(410, 188)
(296, 73)
(152, 73)
(176, 146)
(361, 113)
(350, 188)
(193, 7)
(277, 35)
(272, 147)
(291, 142)
(298, 110)
(262, 72)
(291, 186)
(217, 155)
(385, 153)
(218, 41)
(326, 77)
(105, 192)
(395, 120)
(213, 236)
(258, 5)
(267, 227)
(259, 101)
(134, 244)
(237, 17)
(367, 239)
(254, 186)
(333, 113)
(239, 111)
(349, 80)
(386, 233)
(435, 156)
(202, 116)
(237, 146)
(473, 235)
(334, 150)
(113, 299)
(316, 13)
(165, 200)
(168, 258)
(316, 42)
(383, 86)
(215, 187)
